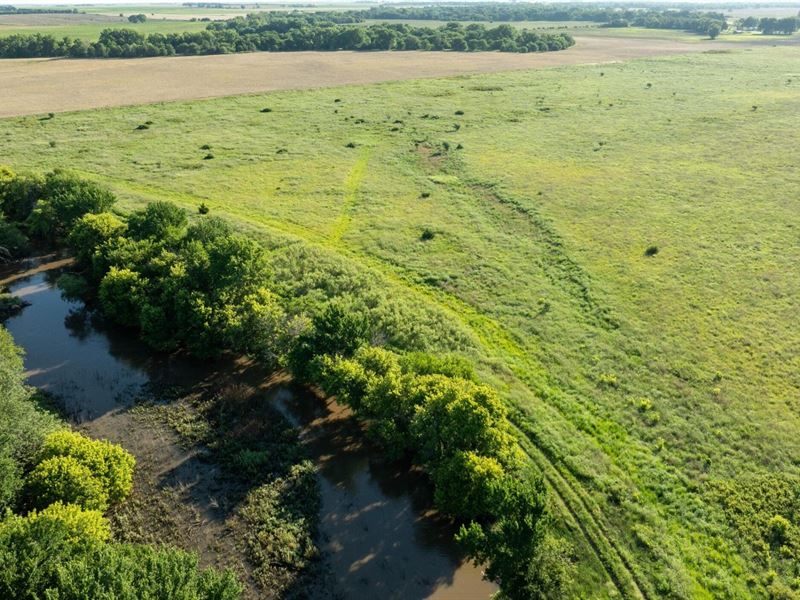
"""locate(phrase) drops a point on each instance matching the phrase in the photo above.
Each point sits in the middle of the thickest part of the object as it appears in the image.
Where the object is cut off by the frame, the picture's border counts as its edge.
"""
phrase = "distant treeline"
(293, 33)
(684, 19)
(13, 10)
(770, 25)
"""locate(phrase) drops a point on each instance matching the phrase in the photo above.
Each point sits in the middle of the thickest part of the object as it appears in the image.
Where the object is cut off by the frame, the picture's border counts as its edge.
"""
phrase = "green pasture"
(620, 240)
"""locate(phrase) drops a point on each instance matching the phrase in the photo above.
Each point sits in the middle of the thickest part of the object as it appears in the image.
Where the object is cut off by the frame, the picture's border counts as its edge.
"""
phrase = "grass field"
(657, 393)
(91, 31)
(42, 86)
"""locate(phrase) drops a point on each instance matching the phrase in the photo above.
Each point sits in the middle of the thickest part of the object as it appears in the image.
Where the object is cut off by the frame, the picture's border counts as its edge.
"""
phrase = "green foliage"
(22, 426)
(458, 431)
(32, 548)
(65, 479)
(467, 484)
(13, 243)
(275, 31)
(336, 330)
(92, 231)
(114, 571)
(280, 523)
(517, 547)
(18, 194)
(159, 221)
(122, 295)
(111, 464)
(61, 552)
(65, 198)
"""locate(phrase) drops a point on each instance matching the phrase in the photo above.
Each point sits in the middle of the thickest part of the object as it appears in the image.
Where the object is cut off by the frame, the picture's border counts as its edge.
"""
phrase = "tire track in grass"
(351, 188)
(575, 503)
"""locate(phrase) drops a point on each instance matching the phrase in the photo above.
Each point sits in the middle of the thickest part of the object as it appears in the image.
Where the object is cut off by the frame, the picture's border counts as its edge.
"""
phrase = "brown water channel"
(378, 532)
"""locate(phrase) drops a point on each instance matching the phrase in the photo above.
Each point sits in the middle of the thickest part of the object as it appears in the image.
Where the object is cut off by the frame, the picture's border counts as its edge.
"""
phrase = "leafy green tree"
(336, 331)
(123, 296)
(517, 547)
(92, 231)
(454, 414)
(111, 464)
(713, 30)
(65, 198)
(158, 220)
(65, 479)
(467, 485)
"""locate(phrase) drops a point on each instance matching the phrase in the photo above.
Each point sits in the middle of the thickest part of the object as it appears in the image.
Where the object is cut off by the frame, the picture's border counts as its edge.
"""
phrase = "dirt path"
(57, 85)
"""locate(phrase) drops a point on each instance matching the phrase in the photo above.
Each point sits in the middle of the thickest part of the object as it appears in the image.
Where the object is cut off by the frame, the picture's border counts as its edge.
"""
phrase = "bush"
(64, 479)
(114, 571)
(22, 426)
(90, 232)
(18, 194)
(65, 199)
(13, 243)
(159, 220)
(111, 464)
(62, 553)
(122, 296)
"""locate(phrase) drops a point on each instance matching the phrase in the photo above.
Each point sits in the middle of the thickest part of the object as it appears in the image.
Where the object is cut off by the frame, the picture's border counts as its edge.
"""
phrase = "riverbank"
(222, 471)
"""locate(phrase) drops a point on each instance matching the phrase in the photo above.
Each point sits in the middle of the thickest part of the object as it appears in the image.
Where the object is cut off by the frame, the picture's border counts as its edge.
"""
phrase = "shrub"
(778, 528)
(122, 296)
(158, 220)
(266, 110)
(65, 479)
(65, 199)
(203, 209)
(114, 571)
(110, 463)
(18, 194)
(651, 251)
(90, 232)
(13, 243)
(427, 234)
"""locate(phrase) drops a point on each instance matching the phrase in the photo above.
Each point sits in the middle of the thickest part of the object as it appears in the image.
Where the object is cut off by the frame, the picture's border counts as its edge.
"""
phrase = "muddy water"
(378, 532)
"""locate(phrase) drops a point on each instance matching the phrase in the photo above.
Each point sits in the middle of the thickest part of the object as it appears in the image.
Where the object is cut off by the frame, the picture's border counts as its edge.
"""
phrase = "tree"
(122, 296)
(65, 479)
(335, 331)
(517, 547)
(140, 18)
(158, 220)
(713, 31)
(65, 198)
(90, 232)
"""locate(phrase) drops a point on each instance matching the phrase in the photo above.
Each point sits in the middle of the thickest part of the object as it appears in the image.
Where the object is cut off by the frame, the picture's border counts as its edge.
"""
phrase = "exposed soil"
(58, 85)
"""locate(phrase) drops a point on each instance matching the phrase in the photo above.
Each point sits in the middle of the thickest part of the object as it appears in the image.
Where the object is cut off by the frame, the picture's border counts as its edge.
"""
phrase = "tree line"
(282, 34)
(200, 286)
(770, 25)
(684, 19)
(14, 10)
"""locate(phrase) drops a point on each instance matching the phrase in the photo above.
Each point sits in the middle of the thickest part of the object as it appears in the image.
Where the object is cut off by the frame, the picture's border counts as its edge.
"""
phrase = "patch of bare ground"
(58, 85)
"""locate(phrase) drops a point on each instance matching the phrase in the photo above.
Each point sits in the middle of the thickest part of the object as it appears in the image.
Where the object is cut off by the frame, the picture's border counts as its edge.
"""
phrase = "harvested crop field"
(59, 85)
